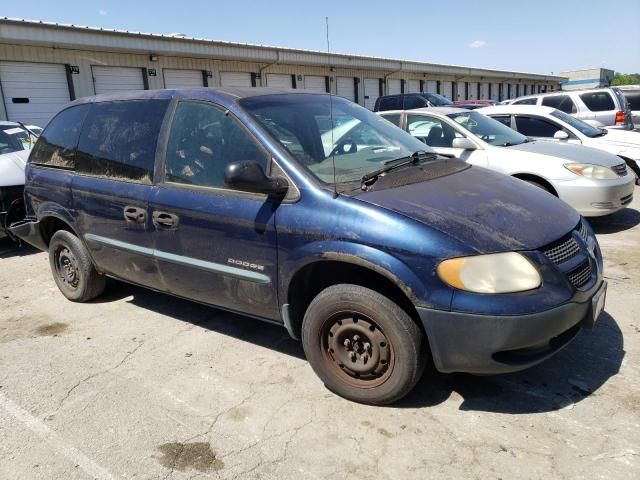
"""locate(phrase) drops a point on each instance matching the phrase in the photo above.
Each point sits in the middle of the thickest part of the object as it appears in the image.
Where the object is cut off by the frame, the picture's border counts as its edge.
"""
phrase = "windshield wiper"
(389, 165)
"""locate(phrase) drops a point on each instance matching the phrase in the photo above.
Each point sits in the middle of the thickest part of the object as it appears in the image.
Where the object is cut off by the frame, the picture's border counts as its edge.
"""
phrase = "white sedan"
(547, 123)
(593, 182)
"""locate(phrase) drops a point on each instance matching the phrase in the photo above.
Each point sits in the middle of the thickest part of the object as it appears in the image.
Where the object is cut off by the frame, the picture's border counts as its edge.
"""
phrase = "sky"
(531, 36)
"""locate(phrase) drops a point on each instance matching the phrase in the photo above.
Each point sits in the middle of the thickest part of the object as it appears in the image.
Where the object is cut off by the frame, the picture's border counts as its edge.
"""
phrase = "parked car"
(600, 107)
(467, 103)
(632, 94)
(546, 123)
(15, 145)
(593, 182)
(408, 101)
(364, 243)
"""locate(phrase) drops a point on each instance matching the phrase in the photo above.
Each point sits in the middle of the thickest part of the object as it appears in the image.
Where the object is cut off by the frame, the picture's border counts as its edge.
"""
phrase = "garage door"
(235, 79)
(116, 79)
(33, 92)
(279, 80)
(371, 92)
(315, 83)
(346, 88)
(394, 86)
(413, 86)
(432, 86)
(174, 78)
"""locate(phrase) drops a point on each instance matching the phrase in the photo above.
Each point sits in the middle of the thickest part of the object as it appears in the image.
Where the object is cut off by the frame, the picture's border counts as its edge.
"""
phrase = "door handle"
(165, 220)
(135, 214)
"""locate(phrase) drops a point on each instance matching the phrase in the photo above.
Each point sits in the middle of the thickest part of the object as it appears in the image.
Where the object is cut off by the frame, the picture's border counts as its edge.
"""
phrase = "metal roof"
(35, 32)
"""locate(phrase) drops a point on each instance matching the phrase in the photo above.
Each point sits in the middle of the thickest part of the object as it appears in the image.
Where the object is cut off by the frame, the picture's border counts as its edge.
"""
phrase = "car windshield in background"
(14, 139)
(358, 140)
(488, 129)
(437, 100)
(579, 125)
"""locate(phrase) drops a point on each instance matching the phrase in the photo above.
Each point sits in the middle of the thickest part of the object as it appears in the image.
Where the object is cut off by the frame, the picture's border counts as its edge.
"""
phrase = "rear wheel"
(72, 268)
(362, 345)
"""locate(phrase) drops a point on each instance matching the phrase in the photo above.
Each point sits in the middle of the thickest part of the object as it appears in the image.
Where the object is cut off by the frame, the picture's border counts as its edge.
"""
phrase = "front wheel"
(362, 345)
(72, 268)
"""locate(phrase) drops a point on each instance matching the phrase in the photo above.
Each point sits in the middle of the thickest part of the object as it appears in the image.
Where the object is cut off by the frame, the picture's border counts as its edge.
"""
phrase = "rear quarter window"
(119, 139)
(598, 101)
(561, 102)
(55, 146)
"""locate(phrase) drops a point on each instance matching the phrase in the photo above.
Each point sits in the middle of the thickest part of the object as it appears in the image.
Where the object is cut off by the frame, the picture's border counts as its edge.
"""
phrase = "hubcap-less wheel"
(67, 267)
(357, 349)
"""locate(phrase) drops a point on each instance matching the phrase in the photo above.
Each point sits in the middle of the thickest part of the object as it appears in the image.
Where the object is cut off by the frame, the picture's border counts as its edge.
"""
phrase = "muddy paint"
(189, 456)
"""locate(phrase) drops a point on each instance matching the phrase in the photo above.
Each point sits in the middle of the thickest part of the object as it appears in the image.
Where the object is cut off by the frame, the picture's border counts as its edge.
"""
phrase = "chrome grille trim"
(563, 251)
(621, 169)
(580, 275)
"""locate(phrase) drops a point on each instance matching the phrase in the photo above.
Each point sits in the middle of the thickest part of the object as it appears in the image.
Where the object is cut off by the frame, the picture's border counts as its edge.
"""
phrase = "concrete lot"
(142, 385)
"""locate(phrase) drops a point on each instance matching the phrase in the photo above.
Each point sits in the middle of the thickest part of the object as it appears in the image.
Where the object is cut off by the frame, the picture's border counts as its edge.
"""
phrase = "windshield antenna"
(333, 157)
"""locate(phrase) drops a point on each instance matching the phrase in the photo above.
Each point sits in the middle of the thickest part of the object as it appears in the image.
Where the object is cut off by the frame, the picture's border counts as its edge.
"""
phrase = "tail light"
(620, 118)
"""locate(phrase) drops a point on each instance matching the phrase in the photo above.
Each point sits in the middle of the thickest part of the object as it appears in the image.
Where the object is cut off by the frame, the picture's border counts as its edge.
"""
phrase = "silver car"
(600, 107)
(592, 181)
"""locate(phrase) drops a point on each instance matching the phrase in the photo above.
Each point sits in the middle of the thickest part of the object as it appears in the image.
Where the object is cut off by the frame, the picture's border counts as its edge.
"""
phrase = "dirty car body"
(326, 221)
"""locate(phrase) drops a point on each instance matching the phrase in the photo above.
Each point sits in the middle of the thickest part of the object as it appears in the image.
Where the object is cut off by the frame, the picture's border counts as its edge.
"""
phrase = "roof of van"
(202, 93)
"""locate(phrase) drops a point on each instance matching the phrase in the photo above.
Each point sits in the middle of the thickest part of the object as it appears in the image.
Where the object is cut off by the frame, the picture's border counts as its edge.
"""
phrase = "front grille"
(621, 169)
(580, 275)
(626, 200)
(563, 251)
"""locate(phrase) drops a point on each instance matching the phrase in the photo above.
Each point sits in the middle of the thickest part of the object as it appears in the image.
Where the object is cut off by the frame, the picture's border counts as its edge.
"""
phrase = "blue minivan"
(311, 212)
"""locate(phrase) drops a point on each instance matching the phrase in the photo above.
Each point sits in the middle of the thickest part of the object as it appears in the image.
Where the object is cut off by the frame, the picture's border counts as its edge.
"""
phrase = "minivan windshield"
(14, 138)
(488, 129)
(358, 140)
(579, 125)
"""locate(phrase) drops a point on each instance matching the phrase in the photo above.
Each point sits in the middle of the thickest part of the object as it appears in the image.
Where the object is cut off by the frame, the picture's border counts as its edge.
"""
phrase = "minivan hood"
(12, 167)
(568, 151)
(485, 210)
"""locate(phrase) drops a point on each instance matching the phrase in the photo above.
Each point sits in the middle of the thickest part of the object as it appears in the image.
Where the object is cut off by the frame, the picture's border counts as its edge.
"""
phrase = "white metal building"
(44, 65)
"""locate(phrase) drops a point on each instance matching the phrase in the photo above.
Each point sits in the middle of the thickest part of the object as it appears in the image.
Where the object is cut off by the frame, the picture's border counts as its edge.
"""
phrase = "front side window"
(526, 101)
(358, 141)
(432, 131)
(561, 102)
(204, 141)
(119, 138)
(55, 146)
(488, 129)
(598, 101)
(536, 127)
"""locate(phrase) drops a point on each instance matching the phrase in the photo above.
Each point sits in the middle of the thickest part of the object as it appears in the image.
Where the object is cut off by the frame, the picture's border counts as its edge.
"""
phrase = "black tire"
(362, 345)
(540, 185)
(72, 268)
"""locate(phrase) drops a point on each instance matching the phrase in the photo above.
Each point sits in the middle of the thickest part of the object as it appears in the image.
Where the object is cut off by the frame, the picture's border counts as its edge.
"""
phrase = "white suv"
(600, 107)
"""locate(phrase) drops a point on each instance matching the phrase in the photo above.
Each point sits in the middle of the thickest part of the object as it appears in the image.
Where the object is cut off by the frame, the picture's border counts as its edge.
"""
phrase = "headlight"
(494, 273)
(589, 170)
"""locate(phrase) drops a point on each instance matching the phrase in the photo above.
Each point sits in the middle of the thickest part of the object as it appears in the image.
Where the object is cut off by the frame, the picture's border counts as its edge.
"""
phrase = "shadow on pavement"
(616, 222)
(574, 373)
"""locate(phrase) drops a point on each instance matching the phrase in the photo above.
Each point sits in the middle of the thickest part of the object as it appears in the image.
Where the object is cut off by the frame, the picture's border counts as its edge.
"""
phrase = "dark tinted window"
(55, 147)
(561, 102)
(526, 101)
(414, 101)
(393, 118)
(504, 119)
(633, 97)
(391, 103)
(536, 127)
(119, 139)
(598, 101)
(204, 141)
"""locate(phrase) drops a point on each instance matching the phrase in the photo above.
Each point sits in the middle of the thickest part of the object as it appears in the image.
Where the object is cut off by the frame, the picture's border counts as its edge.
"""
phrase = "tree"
(626, 79)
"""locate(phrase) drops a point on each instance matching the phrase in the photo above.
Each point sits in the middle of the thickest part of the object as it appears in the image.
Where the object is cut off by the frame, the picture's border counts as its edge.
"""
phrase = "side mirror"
(561, 135)
(249, 176)
(463, 143)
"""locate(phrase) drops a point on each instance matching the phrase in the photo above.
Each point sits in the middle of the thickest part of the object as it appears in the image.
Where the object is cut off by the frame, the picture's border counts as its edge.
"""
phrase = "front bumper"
(595, 198)
(492, 344)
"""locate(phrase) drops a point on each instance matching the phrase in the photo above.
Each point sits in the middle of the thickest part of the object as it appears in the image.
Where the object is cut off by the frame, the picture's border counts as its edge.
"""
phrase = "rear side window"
(561, 102)
(391, 103)
(526, 101)
(536, 127)
(56, 145)
(598, 101)
(414, 101)
(119, 139)
(633, 97)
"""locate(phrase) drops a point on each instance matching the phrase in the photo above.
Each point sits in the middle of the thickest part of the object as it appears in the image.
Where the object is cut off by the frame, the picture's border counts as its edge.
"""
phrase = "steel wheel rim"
(356, 349)
(67, 267)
